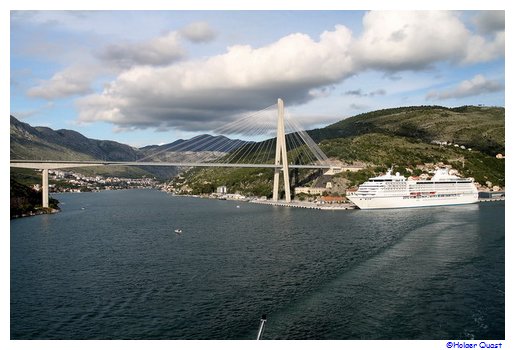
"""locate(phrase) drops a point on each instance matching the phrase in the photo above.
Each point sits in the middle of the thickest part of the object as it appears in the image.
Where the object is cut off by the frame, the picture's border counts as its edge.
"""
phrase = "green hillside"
(382, 151)
(400, 137)
(404, 137)
(480, 128)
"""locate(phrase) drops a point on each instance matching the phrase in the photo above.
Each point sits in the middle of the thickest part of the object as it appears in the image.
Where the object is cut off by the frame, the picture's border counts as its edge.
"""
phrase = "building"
(221, 190)
(310, 190)
(234, 196)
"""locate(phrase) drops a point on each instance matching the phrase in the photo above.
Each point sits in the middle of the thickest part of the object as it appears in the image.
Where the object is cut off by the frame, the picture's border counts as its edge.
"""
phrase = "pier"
(307, 205)
(496, 199)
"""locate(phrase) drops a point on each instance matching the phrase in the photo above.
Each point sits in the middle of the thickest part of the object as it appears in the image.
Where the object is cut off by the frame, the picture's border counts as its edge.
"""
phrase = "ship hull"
(390, 202)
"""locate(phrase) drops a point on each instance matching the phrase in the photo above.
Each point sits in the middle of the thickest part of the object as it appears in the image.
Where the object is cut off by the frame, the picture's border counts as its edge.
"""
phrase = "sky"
(151, 77)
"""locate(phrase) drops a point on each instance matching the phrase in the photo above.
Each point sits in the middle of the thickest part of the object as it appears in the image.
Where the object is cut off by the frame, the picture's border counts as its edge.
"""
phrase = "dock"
(308, 205)
(497, 199)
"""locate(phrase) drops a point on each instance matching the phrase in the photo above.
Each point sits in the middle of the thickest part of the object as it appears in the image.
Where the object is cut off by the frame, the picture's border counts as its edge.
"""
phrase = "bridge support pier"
(45, 188)
(281, 154)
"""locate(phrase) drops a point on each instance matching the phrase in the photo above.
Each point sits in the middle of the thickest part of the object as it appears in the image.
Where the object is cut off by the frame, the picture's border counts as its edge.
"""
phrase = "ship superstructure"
(395, 191)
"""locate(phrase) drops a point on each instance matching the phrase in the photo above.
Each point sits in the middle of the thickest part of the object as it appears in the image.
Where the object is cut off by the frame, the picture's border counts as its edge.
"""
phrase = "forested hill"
(480, 128)
(409, 138)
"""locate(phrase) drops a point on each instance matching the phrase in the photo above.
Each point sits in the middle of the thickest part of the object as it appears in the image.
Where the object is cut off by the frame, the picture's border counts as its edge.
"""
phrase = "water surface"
(110, 266)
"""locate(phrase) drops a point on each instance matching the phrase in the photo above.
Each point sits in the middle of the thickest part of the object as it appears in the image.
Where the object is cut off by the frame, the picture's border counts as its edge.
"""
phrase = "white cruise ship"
(395, 191)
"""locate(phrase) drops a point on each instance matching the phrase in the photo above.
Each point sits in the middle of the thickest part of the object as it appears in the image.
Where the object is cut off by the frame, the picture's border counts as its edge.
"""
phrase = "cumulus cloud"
(415, 40)
(198, 32)
(480, 49)
(77, 79)
(74, 80)
(157, 51)
(187, 95)
(404, 40)
(489, 21)
(156, 88)
(475, 86)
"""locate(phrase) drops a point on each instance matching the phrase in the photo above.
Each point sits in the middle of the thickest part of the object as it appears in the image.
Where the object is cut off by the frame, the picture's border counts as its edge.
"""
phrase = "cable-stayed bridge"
(269, 138)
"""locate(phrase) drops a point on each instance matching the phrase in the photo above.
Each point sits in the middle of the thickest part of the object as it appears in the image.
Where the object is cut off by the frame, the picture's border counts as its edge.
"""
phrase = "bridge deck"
(57, 164)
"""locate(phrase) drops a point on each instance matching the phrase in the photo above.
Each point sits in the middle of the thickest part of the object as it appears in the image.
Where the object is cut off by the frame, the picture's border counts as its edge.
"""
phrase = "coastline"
(304, 205)
(36, 212)
(292, 204)
(308, 205)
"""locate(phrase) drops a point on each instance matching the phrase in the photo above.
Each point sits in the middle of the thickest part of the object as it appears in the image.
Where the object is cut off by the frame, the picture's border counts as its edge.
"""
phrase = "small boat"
(178, 231)
(237, 206)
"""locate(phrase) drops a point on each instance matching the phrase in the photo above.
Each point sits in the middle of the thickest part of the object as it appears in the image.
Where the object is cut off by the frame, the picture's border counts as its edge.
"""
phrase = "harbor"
(308, 205)
(343, 206)
(491, 199)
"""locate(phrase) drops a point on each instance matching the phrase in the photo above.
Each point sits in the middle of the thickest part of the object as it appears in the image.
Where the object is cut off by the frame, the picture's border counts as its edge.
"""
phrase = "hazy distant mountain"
(201, 143)
(27, 142)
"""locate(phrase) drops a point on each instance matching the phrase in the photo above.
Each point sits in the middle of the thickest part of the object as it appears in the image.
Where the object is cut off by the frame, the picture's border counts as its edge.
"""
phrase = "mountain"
(405, 137)
(408, 138)
(201, 143)
(27, 142)
(480, 128)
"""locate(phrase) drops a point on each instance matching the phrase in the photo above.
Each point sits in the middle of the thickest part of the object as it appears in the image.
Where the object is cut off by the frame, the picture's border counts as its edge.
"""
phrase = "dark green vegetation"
(401, 137)
(25, 200)
(250, 181)
(245, 181)
(406, 153)
(480, 128)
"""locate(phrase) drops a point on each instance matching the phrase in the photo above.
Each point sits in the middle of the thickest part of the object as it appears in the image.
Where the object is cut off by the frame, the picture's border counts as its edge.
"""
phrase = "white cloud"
(156, 88)
(188, 94)
(404, 40)
(77, 79)
(480, 49)
(198, 32)
(157, 51)
(73, 80)
(475, 86)
(412, 40)
(489, 21)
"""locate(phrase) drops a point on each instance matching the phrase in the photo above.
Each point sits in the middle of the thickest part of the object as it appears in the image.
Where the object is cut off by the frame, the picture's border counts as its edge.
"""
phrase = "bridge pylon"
(44, 187)
(281, 158)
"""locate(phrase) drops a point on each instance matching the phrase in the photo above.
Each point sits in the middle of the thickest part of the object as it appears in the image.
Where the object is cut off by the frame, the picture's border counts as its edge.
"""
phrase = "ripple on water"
(118, 271)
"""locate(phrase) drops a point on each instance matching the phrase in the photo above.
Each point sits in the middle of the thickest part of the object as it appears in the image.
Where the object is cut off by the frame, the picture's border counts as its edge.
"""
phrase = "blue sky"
(150, 77)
